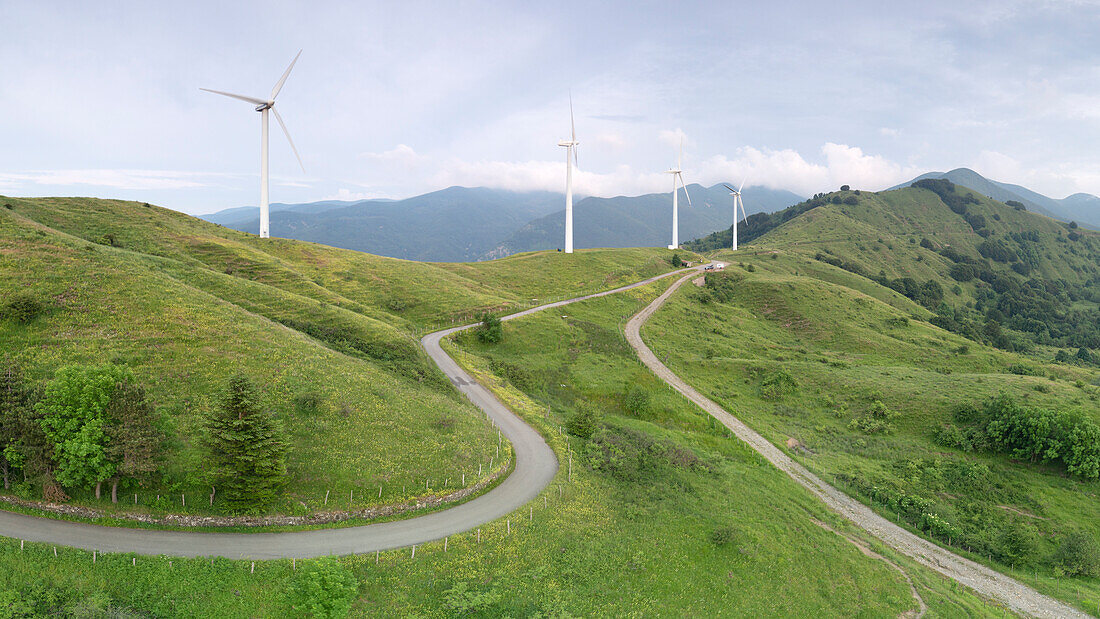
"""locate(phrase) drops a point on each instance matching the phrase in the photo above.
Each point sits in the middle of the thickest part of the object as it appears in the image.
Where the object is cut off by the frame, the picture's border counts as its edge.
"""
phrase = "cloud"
(116, 179)
(889, 132)
(673, 138)
(777, 169)
(788, 169)
(346, 195)
(400, 154)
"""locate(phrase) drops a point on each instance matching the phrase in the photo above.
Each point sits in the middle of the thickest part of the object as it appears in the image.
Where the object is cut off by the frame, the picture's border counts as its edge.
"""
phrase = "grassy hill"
(329, 333)
(816, 340)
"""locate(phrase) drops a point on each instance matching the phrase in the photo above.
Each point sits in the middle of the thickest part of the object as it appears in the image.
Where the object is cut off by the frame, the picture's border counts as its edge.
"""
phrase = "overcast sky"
(392, 99)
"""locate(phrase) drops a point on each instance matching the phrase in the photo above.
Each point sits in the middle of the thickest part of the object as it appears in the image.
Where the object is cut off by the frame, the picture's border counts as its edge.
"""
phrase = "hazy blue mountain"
(231, 216)
(461, 223)
(1080, 207)
(641, 221)
(453, 224)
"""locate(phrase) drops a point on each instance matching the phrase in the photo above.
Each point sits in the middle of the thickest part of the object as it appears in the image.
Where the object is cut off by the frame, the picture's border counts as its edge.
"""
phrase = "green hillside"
(827, 336)
(329, 334)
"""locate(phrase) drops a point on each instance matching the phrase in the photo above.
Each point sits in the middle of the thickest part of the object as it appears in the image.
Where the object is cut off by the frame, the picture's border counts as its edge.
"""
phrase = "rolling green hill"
(329, 333)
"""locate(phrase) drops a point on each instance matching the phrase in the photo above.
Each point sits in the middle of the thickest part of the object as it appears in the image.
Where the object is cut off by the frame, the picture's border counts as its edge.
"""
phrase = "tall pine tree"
(247, 449)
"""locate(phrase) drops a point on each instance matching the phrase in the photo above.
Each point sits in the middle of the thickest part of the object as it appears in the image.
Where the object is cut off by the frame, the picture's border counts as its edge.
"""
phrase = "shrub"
(323, 588)
(1019, 206)
(636, 400)
(308, 403)
(723, 536)
(24, 307)
(676, 261)
(584, 421)
(845, 188)
(925, 243)
(851, 200)
(462, 600)
(777, 385)
(1078, 555)
(491, 330)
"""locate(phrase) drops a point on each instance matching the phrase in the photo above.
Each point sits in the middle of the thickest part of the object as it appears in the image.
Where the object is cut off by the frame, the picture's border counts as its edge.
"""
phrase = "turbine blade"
(287, 134)
(732, 190)
(251, 100)
(742, 186)
(282, 80)
(572, 124)
(679, 157)
(576, 162)
(686, 194)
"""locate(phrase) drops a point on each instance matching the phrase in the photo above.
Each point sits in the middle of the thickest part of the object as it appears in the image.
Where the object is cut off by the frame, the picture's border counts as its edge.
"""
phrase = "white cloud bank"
(116, 179)
(778, 169)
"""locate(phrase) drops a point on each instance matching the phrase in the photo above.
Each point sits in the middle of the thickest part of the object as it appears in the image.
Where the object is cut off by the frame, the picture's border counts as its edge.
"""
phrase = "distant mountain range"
(465, 224)
(1080, 207)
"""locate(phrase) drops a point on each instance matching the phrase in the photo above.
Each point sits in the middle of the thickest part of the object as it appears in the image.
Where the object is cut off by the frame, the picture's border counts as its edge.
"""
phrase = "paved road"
(535, 468)
(991, 584)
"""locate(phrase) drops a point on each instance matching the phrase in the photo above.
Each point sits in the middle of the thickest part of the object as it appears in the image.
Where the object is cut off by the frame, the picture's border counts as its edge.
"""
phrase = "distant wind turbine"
(262, 106)
(736, 193)
(677, 177)
(570, 160)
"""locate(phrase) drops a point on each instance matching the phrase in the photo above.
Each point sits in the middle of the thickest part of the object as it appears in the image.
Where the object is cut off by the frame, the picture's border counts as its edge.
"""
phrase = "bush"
(777, 385)
(851, 200)
(491, 330)
(845, 188)
(323, 588)
(584, 421)
(23, 307)
(462, 600)
(308, 403)
(1019, 206)
(676, 261)
(925, 243)
(1078, 555)
(636, 400)
(723, 536)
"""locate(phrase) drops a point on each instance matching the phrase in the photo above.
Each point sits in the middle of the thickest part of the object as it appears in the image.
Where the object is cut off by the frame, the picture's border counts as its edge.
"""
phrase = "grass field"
(330, 335)
(697, 525)
(845, 351)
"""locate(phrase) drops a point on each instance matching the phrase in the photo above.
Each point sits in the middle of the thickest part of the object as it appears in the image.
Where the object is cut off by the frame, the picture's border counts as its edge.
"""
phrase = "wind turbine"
(570, 159)
(677, 177)
(736, 193)
(262, 106)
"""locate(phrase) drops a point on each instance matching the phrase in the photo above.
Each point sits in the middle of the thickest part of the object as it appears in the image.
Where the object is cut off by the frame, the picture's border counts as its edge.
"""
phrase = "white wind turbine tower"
(677, 177)
(262, 106)
(736, 193)
(570, 159)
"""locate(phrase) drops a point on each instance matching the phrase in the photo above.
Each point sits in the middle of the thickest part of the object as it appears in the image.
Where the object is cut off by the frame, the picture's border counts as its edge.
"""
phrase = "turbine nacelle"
(265, 106)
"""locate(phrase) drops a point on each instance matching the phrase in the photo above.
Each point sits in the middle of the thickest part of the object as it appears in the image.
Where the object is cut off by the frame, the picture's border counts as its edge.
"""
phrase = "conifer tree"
(247, 449)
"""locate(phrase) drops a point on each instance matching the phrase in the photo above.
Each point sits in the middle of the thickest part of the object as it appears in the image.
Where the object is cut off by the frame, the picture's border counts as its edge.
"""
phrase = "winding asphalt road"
(535, 468)
(989, 583)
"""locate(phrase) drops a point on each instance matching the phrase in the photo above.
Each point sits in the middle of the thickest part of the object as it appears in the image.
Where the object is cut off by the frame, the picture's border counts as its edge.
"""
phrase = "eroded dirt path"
(988, 583)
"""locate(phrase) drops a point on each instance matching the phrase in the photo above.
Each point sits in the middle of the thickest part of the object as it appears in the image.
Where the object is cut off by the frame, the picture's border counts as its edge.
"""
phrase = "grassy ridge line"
(987, 582)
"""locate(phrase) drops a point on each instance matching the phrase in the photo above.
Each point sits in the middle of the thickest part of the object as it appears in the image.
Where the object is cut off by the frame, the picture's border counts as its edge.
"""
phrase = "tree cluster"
(1038, 435)
(89, 425)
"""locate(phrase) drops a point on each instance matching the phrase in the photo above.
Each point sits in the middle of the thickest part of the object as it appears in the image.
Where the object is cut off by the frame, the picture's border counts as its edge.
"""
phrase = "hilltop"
(1080, 207)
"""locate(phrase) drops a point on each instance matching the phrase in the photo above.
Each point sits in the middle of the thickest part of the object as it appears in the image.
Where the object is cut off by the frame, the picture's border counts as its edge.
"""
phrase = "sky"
(394, 99)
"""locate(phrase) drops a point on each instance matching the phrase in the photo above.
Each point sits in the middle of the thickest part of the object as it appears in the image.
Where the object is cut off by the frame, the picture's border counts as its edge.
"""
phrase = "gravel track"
(988, 583)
